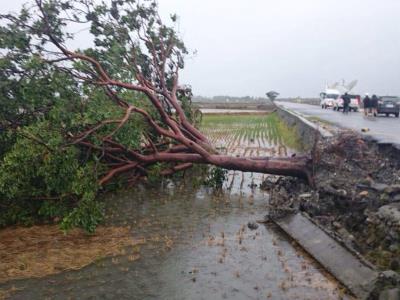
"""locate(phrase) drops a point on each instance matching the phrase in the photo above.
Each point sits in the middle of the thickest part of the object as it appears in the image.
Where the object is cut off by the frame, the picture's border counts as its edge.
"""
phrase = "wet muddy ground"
(198, 244)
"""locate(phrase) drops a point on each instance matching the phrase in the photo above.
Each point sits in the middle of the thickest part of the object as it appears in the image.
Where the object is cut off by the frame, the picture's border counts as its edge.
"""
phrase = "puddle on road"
(198, 246)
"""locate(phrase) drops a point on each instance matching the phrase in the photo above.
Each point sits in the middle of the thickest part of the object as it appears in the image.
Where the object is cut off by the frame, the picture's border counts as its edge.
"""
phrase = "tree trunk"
(153, 56)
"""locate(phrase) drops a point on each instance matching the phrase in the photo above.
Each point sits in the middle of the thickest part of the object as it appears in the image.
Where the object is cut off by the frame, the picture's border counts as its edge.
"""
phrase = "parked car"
(355, 101)
(389, 105)
(328, 98)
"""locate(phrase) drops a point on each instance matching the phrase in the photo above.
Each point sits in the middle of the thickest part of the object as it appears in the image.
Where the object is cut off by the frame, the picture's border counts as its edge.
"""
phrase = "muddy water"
(197, 245)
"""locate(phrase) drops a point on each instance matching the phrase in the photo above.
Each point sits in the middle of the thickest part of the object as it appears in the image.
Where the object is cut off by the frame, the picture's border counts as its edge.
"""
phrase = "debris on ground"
(357, 196)
(7, 293)
(252, 225)
(39, 251)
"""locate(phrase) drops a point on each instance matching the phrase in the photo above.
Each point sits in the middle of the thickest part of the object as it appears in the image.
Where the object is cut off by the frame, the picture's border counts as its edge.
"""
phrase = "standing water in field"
(199, 244)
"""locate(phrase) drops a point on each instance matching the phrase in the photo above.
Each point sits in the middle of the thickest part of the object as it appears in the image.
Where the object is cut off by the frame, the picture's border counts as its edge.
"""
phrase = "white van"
(354, 105)
(328, 98)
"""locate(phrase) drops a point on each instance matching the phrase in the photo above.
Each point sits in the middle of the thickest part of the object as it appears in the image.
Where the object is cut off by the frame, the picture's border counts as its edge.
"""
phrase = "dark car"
(389, 105)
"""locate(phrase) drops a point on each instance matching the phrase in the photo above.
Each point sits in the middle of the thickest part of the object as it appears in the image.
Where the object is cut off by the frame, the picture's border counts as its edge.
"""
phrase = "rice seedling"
(249, 135)
(236, 132)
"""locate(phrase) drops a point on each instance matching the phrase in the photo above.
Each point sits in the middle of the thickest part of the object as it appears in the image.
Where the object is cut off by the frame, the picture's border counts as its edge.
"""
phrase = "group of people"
(370, 105)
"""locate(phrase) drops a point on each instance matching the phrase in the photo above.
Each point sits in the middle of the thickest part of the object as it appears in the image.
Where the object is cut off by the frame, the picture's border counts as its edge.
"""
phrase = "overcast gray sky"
(291, 46)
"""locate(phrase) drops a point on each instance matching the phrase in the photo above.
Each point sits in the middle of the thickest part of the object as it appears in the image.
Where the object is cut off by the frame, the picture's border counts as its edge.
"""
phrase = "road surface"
(385, 130)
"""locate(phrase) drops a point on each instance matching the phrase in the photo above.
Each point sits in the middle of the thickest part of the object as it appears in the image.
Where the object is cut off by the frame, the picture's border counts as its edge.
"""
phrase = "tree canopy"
(76, 120)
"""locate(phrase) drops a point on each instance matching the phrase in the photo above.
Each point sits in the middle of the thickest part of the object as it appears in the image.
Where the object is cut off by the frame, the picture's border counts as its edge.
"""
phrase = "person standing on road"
(367, 104)
(346, 103)
(374, 105)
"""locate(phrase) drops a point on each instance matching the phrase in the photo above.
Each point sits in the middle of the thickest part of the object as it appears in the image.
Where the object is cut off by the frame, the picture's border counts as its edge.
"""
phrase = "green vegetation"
(261, 130)
(77, 122)
(50, 103)
(220, 120)
(44, 177)
(216, 177)
(247, 135)
(287, 135)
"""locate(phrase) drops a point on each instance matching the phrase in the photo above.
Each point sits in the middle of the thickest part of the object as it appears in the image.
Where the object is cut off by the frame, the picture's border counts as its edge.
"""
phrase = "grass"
(229, 119)
(287, 135)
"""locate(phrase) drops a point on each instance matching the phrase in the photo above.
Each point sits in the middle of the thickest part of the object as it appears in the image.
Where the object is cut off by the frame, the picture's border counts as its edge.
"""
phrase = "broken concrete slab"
(354, 273)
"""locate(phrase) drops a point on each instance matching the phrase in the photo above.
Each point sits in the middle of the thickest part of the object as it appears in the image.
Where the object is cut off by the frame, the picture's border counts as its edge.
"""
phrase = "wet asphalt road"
(382, 129)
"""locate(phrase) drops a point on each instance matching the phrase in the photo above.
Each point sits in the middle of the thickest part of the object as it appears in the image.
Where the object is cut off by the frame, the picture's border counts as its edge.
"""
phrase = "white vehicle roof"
(332, 91)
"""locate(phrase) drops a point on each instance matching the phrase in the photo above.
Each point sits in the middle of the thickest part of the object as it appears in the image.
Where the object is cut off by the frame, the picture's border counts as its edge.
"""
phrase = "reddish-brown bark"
(179, 143)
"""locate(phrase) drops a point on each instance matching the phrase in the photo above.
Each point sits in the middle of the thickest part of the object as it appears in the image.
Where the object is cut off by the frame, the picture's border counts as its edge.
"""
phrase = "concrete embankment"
(306, 129)
(349, 269)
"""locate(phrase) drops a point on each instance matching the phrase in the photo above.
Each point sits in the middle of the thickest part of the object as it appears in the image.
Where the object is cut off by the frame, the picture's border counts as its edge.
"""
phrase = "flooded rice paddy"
(197, 243)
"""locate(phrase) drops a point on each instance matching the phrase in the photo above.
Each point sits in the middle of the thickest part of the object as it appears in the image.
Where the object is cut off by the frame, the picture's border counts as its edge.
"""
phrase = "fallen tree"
(133, 68)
